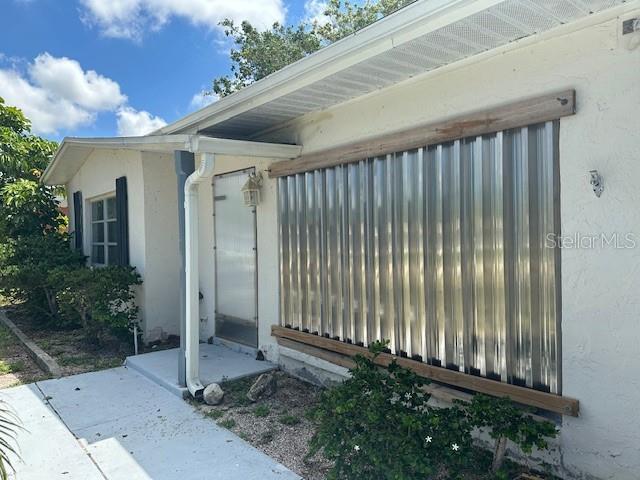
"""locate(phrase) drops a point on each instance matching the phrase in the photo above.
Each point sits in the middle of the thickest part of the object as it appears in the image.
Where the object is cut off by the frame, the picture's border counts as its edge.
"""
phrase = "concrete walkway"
(218, 363)
(118, 425)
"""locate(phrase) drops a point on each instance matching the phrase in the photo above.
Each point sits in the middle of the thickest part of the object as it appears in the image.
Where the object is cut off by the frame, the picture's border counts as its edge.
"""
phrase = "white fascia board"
(223, 146)
(408, 23)
(73, 152)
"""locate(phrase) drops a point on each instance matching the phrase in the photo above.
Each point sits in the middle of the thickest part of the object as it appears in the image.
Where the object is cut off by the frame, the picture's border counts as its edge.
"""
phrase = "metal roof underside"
(493, 27)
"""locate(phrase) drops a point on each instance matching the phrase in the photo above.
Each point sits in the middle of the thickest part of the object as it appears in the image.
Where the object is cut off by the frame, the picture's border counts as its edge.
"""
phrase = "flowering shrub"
(377, 425)
(505, 421)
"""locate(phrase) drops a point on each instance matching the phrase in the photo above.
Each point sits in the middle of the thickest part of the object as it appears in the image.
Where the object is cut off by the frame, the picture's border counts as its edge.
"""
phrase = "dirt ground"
(276, 425)
(16, 366)
(69, 347)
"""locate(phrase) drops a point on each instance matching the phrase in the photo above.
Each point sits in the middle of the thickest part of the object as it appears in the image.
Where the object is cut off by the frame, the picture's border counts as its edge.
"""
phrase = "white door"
(235, 253)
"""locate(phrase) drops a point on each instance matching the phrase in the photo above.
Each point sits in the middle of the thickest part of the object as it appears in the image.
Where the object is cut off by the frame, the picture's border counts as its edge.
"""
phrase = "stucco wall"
(97, 178)
(153, 227)
(162, 278)
(600, 319)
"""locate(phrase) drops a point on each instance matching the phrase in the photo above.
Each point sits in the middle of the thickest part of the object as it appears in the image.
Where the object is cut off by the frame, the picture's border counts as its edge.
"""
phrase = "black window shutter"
(77, 220)
(122, 219)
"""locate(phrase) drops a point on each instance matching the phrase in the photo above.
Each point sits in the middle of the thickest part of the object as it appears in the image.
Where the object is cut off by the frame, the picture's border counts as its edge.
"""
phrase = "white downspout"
(192, 317)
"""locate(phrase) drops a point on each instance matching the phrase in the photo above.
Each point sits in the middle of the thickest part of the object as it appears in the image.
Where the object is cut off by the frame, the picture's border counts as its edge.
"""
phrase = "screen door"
(235, 253)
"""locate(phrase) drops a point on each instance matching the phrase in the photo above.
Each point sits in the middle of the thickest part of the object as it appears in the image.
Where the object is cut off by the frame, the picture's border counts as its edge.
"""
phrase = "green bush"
(506, 421)
(25, 266)
(377, 425)
(102, 299)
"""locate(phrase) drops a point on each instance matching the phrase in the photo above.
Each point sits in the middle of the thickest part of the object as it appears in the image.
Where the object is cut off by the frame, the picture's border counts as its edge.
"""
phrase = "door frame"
(255, 249)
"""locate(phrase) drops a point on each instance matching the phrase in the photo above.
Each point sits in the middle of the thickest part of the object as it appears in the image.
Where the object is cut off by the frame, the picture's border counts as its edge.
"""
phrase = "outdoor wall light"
(597, 183)
(251, 190)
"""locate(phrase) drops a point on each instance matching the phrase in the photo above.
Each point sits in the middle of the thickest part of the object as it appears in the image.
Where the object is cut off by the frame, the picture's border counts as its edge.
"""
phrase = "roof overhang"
(73, 152)
(422, 37)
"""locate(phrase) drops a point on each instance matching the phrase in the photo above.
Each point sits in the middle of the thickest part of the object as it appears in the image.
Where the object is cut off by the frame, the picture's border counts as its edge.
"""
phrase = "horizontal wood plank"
(436, 391)
(518, 114)
(526, 396)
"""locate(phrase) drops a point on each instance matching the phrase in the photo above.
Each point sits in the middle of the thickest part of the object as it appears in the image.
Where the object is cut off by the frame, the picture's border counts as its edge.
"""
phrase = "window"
(441, 250)
(104, 232)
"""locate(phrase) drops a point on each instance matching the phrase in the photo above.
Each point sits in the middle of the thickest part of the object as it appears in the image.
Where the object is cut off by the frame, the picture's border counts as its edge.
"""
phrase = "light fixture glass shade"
(251, 190)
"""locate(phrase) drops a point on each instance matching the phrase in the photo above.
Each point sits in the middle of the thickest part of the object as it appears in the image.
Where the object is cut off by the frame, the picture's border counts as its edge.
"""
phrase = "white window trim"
(105, 221)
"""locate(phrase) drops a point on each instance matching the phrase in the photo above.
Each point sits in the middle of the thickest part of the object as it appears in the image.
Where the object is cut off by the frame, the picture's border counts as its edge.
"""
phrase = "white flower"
(356, 448)
(455, 447)
(407, 396)
(428, 439)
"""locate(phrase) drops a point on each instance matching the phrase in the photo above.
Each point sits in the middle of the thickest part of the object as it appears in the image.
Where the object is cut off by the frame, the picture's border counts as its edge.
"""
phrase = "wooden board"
(436, 391)
(519, 114)
(526, 396)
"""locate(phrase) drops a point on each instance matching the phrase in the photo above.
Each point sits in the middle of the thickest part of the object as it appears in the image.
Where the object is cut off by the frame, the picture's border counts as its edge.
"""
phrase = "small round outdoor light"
(251, 190)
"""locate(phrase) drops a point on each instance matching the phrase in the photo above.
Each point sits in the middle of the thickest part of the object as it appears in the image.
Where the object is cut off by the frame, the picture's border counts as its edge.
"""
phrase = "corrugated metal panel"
(441, 250)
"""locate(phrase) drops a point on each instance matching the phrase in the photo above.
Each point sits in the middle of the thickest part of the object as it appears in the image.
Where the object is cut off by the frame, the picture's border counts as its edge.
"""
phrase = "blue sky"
(108, 67)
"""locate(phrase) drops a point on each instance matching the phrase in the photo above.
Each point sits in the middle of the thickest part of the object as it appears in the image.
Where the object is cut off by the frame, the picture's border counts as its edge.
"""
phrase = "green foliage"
(345, 18)
(37, 265)
(32, 237)
(505, 421)
(228, 423)
(260, 53)
(29, 209)
(262, 411)
(22, 155)
(377, 425)
(257, 54)
(215, 414)
(25, 266)
(102, 298)
(9, 425)
(289, 420)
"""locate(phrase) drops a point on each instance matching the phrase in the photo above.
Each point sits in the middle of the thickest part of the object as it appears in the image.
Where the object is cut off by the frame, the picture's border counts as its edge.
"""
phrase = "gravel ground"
(16, 366)
(275, 425)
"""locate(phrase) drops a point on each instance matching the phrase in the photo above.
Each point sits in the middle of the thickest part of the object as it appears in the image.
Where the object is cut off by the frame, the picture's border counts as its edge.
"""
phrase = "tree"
(260, 53)
(22, 155)
(33, 239)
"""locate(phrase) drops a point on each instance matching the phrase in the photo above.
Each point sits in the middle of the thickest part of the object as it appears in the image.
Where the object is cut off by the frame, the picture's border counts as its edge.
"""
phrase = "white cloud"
(131, 18)
(56, 94)
(314, 11)
(201, 100)
(132, 122)
(65, 78)
(48, 113)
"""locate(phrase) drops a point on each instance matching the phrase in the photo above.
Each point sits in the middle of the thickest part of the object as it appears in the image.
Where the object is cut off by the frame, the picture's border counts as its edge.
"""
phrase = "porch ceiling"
(422, 37)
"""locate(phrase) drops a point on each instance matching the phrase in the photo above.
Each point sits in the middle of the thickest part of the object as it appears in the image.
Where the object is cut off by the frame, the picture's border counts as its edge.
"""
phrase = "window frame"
(105, 221)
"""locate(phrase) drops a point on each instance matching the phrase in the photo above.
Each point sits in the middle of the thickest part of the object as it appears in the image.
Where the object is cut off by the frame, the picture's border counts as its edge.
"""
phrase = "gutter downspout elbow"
(192, 303)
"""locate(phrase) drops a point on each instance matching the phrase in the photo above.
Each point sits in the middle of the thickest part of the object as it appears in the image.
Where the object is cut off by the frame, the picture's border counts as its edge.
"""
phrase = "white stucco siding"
(162, 258)
(97, 178)
(153, 227)
(600, 320)
(267, 245)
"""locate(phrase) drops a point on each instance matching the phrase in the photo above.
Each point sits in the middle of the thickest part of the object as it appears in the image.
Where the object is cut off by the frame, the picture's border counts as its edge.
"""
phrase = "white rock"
(213, 394)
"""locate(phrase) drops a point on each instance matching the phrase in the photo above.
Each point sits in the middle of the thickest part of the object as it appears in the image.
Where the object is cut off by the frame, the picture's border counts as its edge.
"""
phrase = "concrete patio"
(118, 425)
(218, 362)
